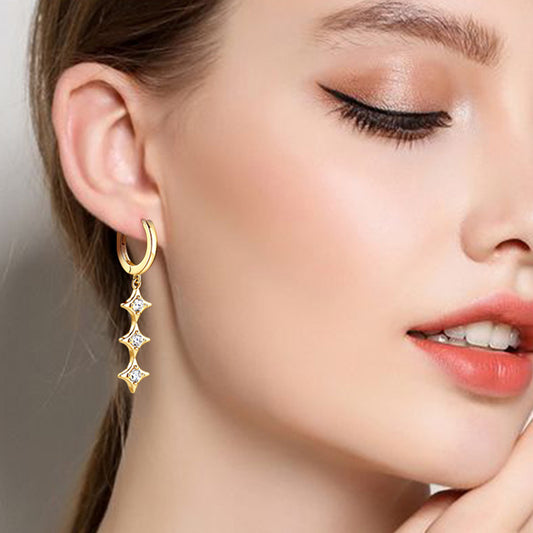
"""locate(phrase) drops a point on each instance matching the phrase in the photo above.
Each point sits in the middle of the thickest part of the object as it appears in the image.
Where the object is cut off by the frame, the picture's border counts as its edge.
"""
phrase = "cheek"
(286, 262)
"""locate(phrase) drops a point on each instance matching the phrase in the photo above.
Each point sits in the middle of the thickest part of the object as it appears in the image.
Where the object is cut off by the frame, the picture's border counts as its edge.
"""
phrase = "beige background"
(54, 378)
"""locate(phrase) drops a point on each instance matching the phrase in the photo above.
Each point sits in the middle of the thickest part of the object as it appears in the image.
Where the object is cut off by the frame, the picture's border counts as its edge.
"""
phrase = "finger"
(504, 503)
(433, 507)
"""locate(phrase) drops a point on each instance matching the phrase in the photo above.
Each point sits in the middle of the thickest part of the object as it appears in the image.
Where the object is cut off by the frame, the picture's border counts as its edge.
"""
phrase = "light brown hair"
(167, 45)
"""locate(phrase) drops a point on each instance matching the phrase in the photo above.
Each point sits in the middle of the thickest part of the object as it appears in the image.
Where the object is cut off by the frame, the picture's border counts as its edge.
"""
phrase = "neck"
(193, 462)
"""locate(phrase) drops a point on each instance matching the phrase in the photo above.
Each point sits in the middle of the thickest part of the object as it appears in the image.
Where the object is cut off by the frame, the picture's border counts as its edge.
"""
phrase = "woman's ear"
(98, 116)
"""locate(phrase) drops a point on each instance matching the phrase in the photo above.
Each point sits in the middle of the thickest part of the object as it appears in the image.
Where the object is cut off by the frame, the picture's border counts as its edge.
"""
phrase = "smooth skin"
(294, 254)
(503, 504)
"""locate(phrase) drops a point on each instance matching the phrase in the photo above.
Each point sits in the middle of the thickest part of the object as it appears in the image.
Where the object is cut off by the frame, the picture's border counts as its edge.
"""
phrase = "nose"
(497, 226)
(499, 221)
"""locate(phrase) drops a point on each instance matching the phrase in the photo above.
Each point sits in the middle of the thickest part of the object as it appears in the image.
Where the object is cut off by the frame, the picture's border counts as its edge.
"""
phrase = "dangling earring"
(135, 304)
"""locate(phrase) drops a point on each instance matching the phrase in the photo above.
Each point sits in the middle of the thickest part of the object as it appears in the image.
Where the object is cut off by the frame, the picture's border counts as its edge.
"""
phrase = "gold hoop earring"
(135, 304)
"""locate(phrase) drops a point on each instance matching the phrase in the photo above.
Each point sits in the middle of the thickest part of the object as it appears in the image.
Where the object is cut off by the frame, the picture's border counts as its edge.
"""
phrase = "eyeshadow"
(401, 83)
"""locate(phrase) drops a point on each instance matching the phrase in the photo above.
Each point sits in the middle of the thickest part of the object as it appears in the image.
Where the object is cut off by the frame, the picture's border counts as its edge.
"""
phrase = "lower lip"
(481, 371)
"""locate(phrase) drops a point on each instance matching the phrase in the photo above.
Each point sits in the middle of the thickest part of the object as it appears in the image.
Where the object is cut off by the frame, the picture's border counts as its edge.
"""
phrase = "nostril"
(519, 243)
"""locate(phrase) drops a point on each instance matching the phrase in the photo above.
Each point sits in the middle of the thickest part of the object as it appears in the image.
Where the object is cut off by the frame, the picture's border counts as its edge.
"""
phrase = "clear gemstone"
(136, 340)
(135, 375)
(138, 304)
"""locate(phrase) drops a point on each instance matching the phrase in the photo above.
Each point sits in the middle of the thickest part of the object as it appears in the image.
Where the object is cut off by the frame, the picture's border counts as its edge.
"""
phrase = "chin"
(458, 449)
(464, 459)
(468, 474)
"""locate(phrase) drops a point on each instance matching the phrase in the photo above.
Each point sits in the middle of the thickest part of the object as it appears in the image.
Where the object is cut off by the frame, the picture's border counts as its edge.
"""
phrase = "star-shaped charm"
(135, 304)
(133, 374)
(134, 339)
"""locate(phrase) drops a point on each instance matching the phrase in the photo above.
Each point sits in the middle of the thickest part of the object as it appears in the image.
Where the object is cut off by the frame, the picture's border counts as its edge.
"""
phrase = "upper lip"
(505, 307)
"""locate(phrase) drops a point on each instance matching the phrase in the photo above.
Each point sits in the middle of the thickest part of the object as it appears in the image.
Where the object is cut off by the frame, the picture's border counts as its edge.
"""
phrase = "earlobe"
(97, 118)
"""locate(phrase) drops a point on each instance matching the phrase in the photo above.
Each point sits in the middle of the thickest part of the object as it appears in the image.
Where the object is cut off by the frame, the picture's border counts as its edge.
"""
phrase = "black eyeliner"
(390, 112)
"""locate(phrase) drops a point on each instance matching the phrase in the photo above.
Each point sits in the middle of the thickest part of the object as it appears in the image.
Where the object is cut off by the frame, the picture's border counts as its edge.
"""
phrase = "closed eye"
(405, 127)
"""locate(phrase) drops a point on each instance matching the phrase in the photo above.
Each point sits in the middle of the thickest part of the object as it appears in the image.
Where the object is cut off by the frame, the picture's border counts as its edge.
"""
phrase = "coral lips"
(482, 371)
(485, 371)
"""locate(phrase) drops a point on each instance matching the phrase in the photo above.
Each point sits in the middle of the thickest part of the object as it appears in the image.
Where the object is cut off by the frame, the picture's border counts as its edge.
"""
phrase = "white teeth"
(514, 338)
(499, 338)
(478, 333)
(486, 334)
(458, 342)
(459, 332)
(444, 338)
(439, 338)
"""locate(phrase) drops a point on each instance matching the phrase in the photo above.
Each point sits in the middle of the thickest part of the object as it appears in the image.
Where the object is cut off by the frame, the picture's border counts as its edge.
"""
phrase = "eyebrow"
(465, 35)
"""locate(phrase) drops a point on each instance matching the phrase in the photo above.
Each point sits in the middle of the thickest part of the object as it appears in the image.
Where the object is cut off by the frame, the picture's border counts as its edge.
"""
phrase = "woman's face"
(304, 248)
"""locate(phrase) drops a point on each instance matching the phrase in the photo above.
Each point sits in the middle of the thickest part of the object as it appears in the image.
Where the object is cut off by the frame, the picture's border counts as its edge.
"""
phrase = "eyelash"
(405, 127)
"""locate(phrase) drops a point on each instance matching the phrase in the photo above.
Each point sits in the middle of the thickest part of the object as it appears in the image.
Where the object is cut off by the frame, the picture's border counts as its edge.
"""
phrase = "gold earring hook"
(149, 256)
